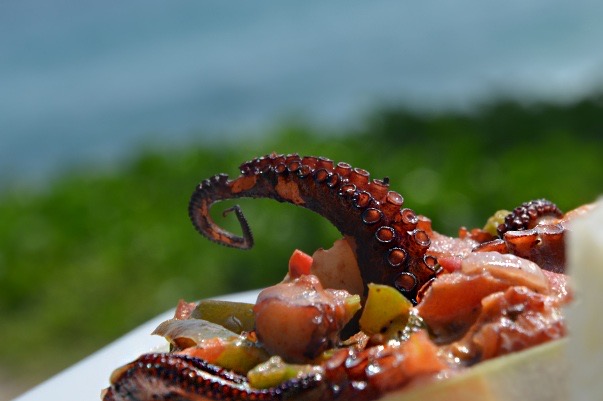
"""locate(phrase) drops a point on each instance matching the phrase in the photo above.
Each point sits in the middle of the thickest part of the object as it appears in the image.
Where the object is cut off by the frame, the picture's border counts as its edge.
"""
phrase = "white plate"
(85, 380)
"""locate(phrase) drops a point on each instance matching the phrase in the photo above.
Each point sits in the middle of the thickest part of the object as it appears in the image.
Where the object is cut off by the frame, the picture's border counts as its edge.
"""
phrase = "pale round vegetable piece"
(537, 374)
(585, 348)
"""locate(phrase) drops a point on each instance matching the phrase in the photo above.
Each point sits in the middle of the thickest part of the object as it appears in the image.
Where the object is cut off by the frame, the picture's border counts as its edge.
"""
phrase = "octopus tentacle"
(199, 214)
(174, 377)
(527, 215)
(390, 248)
(525, 234)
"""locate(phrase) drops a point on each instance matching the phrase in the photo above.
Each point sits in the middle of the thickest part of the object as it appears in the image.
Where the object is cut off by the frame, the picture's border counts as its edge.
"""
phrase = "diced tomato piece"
(299, 264)
(421, 355)
(209, 350)
(184, 309)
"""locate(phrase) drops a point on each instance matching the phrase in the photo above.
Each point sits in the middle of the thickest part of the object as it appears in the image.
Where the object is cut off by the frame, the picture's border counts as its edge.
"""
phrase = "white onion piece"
(189, 332)
(337, 267)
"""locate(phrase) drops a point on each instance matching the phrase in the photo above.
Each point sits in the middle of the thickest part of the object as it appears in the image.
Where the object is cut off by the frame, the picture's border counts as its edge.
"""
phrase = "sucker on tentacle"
(389, 247)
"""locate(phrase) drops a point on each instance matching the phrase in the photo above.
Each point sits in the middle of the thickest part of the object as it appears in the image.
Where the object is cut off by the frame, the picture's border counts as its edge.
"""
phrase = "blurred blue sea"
(92, 81)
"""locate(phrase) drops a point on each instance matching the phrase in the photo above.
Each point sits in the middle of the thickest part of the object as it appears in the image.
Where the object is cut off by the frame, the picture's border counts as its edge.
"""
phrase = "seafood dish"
(391, 311)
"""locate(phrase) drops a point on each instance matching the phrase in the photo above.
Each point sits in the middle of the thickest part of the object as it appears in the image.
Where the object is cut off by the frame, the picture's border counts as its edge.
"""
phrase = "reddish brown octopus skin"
(174, 377)
(390, 249)
(532, 231)
(527, 215)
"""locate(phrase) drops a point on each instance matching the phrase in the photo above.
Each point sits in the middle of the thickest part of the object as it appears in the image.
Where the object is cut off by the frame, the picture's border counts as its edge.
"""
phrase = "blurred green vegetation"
(97, 253)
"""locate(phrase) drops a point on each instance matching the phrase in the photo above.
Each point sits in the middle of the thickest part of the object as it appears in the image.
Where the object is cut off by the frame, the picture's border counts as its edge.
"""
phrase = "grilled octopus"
(170, 377)
(390, 248)
(534, 231)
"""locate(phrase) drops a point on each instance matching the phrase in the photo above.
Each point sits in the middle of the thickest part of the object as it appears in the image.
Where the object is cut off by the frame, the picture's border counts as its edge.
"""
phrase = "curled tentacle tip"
(247, 238)
(199, 213)
(361, 208)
